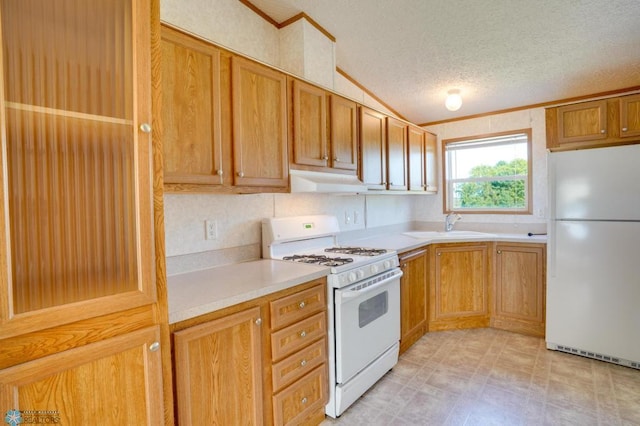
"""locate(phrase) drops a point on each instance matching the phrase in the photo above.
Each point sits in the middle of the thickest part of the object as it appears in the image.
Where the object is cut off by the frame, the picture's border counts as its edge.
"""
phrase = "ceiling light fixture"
(454, 100)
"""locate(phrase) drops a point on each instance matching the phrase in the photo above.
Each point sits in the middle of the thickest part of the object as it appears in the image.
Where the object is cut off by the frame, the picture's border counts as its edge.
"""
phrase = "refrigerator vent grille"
(598, 356)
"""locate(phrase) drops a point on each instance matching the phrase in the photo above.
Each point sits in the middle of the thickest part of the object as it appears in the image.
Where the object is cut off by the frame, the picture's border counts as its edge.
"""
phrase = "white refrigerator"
(593, 270)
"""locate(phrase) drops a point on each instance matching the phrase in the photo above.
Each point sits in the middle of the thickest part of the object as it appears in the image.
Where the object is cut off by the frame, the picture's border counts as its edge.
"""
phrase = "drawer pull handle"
(303, 333)
(303, 363)
(302, 305)
(304, 400)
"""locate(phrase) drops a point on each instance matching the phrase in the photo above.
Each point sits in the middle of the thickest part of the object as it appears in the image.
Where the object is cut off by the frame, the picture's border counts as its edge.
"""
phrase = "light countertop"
(192, 294)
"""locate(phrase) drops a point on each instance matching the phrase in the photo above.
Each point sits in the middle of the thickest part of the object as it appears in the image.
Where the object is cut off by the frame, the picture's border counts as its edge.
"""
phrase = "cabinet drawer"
(297, 401)
(297, 336)
(291, 309)
(297, 365)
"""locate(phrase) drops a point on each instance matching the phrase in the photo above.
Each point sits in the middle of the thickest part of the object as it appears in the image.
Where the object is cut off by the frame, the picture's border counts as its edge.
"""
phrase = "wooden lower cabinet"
(299, 357)
(519, 293)
(218, 367)
(125, 371)
(413, 297)
(459, 293)
(261, 362)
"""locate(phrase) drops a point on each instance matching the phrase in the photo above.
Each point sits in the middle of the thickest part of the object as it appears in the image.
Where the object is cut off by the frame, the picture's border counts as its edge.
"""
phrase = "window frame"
(529, 181)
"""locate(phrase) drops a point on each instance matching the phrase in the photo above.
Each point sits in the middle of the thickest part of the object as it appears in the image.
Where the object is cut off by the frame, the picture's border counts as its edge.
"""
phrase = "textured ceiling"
(501, 54)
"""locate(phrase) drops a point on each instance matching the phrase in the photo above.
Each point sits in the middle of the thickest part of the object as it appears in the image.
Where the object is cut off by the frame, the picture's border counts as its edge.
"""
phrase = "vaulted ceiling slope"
(501, 54)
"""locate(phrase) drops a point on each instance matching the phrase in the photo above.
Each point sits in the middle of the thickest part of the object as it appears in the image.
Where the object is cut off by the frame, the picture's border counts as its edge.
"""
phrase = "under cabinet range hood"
(319, 182)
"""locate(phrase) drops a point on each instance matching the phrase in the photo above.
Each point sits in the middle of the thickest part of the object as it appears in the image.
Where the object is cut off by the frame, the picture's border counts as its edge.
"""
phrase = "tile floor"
(494, 377)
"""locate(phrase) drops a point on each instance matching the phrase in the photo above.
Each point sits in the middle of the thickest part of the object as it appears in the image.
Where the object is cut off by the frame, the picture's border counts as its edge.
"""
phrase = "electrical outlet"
(211, 230)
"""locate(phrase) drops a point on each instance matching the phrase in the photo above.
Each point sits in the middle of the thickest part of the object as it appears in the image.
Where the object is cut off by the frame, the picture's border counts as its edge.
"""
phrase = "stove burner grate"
(356, 251)
(318, 259)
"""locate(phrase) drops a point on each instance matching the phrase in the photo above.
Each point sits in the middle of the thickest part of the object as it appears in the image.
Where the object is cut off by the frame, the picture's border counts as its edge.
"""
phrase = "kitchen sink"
(451, 234)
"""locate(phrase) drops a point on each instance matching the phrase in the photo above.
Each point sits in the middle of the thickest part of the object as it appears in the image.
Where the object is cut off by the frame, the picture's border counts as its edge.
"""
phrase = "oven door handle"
(348, 294)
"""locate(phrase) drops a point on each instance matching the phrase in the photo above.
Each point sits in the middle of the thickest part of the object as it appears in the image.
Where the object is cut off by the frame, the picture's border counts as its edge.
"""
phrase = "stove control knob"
(352, 277)
(360, 273)
(374, 269)
(387, 264)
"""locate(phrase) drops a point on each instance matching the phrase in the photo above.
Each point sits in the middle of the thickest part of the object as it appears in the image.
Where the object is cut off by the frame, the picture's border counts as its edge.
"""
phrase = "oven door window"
(372, 309)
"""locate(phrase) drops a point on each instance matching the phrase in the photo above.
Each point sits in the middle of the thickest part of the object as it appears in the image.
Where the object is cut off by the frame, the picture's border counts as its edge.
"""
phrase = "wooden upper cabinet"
(191, 117)
(417, 158)
(582, 122)
(344, 134)
(430, 142)
(259, 125)
(77, 240)
(630, 116)
(396, 155)
(309, 119)
(373, 143)
(605, 122)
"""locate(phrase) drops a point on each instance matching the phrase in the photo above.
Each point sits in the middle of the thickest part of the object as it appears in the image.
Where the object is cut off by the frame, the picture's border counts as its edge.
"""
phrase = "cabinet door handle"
(499, 251)
(154, 346)
(602, 131)
(259, 321)
(219, 172)
(439, 254)
(325, 157)
(624, 129)
(336, 159)
(145, 127)
(240, 174)
(304, 400)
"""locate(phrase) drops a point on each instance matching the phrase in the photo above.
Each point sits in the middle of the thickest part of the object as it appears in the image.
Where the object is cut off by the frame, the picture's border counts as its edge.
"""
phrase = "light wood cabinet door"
(431, 158)
(417, 159)
(344, 133)
(413, 298)
(459, 293)
(78, 239)
(396, 155)
(630, 116)
(218, 369)
(310, 145)
(117, 381)
(373, 145)
(191, 136)
(519, 294)
(582, 122)
(259, 125)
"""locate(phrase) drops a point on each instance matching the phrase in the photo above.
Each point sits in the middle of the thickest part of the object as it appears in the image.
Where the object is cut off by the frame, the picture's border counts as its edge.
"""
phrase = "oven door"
(367, 322)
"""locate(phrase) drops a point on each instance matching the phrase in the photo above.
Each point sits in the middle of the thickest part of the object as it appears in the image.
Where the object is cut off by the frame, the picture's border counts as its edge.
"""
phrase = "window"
(489, 173)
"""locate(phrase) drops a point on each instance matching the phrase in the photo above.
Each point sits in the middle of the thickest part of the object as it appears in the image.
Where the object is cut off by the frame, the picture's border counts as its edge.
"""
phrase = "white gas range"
(363, 301)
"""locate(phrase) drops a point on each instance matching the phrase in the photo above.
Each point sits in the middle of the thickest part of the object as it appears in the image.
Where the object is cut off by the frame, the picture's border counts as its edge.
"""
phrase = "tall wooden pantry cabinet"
(80, 324)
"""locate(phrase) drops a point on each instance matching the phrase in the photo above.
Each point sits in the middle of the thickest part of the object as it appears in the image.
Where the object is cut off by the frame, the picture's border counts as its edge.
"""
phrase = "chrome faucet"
(450, 220)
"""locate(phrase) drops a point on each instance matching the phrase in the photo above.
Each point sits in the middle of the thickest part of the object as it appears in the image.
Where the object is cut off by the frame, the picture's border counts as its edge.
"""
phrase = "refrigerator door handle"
(552, 224)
